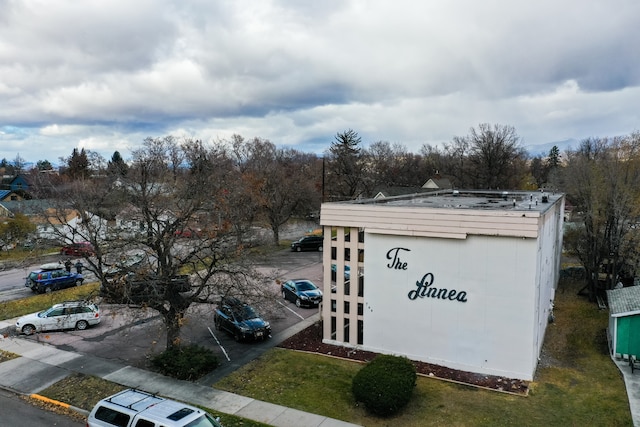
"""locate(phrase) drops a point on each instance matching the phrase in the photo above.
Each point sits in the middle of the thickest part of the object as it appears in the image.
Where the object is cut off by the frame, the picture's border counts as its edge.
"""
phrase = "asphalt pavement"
(48, 358)
(41, 365)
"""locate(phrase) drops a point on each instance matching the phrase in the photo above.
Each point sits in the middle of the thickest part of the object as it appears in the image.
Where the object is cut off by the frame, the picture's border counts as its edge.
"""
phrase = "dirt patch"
(310, 340)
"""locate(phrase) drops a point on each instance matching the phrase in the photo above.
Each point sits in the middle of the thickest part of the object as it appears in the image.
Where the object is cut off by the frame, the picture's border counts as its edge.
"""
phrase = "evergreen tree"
(117, 165)
(554, 157)
(44, 165)
(346, 168)
(78, 165)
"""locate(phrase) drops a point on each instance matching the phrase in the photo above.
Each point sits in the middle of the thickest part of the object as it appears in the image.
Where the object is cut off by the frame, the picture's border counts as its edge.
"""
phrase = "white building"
(459, 279)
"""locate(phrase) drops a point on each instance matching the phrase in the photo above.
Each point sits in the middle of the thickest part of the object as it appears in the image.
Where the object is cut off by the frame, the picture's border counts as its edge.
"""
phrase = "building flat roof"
(471, 199)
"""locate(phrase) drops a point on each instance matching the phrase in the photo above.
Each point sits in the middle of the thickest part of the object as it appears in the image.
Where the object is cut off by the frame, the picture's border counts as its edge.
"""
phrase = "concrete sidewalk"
(632, 383)
(42, 365)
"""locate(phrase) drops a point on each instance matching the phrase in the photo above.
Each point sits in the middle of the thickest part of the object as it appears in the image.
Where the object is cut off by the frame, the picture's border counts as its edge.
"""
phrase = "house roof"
(27, 207)
(438, 183)
(4, 193)
(624, 301)
(390, 191)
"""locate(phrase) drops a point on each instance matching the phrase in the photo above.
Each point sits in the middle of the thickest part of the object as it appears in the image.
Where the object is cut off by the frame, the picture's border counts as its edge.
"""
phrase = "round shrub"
(185, 363)
(385, 384)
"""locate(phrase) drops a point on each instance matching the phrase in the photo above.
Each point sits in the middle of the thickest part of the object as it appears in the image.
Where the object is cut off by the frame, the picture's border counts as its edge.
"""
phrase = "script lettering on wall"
(424, 287)
(394, 255)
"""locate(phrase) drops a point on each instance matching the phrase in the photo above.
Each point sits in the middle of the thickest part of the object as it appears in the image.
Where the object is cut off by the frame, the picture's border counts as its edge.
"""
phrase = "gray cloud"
(104, 75)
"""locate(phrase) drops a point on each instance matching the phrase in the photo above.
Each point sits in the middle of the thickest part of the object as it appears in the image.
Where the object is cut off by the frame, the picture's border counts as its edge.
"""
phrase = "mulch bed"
(310, 340)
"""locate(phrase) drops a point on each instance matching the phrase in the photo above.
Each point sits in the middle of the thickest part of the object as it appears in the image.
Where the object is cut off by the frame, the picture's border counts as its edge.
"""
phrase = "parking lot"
(132, 335)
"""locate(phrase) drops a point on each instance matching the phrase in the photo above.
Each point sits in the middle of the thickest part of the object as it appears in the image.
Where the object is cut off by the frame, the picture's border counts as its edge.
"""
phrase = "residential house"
(438, 183)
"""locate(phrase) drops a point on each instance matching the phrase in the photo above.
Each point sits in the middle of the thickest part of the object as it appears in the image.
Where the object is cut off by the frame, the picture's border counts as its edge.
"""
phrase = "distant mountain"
(543, 149)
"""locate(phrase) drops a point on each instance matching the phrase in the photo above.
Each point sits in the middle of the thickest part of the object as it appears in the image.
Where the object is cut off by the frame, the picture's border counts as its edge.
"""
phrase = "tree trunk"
(172, 320)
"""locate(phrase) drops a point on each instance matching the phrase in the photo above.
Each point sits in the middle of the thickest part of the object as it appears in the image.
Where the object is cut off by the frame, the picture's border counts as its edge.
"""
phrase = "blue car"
(302, 292)
(52, 277)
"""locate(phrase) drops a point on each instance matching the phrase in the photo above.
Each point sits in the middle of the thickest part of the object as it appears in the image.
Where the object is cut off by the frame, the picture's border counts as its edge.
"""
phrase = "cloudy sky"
(104, 75)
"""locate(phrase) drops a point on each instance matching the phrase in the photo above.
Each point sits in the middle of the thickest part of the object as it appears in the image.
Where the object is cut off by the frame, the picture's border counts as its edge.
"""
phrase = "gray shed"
(624, 321)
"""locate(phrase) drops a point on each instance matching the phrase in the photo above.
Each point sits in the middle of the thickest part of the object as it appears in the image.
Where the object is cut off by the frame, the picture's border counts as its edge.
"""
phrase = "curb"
(61, 404)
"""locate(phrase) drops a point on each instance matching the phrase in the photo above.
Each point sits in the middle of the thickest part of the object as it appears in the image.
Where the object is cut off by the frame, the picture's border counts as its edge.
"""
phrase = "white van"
(135, 408)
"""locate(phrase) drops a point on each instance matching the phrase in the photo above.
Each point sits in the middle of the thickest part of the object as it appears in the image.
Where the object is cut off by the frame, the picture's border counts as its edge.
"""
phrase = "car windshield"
(246, 313)
(306, 286)
(46, 312)
(204, 421)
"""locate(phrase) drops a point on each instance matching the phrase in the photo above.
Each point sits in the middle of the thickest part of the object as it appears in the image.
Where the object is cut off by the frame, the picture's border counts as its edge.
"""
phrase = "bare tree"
(285, 182)
(18, 164)
(455, 161)
(497, 160)
(167, 210)
(602, 178)
(393, 165)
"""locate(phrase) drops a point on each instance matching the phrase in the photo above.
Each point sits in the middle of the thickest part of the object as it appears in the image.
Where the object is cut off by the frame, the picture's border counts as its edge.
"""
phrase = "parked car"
(189, 233)
(130, 408)
(308, 243)
(240, 320)
(78, 249)
(302, 292)
(67, 315)
(52, 277)
(125, 265)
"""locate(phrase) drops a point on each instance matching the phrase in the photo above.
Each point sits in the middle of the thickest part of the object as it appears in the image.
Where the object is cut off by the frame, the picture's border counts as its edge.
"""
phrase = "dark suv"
(308, 243)
(51, 277)
(240, 320)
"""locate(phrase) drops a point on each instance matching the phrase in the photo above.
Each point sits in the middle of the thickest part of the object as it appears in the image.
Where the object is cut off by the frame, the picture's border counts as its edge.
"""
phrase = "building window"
(346, 307)
(333, 306)
(347, 287)
(360, 309)
(360, 332)
(361, 286)
(346, 330)
(333, 327)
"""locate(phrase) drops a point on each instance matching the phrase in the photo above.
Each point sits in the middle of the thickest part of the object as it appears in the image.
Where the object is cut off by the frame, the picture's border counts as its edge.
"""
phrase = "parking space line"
(294, 312)
(220, 345)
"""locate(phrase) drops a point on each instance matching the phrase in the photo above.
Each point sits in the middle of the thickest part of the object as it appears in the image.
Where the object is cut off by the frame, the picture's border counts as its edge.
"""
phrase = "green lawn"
(576, 384)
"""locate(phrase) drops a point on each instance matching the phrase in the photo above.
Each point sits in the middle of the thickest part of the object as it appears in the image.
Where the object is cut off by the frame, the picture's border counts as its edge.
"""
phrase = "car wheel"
(299, 249)
(78, 282)
(48, 289)
(82, 325)
(298, 302)
(28, 329)
(216, 324)
(319, 248)
(237, 337)
(284, 295)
